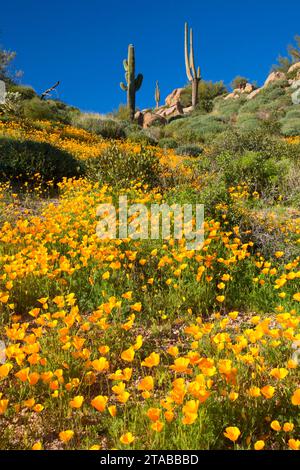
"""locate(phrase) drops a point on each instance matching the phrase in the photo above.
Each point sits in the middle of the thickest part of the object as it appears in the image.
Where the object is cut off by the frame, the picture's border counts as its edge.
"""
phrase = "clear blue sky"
(82, 43)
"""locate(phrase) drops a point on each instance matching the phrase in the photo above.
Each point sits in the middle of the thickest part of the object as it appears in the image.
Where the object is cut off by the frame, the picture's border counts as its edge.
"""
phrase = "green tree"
(6, 58)
(239, 82)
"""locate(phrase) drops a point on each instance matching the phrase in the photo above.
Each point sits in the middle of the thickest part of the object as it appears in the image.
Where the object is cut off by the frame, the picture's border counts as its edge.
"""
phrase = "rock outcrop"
(273, 77)
(174, 98)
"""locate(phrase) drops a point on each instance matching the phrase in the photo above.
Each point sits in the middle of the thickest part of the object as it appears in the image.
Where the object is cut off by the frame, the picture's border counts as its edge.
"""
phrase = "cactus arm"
(192, 58)
(125, 64)
(123, 87)
(186, 53)
(138, 81)
(198, 73)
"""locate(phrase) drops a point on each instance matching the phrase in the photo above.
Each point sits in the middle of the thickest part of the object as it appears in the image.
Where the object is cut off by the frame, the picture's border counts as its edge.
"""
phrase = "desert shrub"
(293, 113)
(228, 108)
(237, 142)
(141, 137)
(248, 122)
(190, 150)
(21, 160)
(36, 109)
(290, 127)
(122, 113)
(239, 82)
(107, 128)
(26, 92)
(207, 92)
(168, 143)
(252, 168)
(120, 168)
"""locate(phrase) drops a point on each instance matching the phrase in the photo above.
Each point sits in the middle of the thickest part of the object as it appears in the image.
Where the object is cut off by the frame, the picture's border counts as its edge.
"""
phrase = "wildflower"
(154, 414)
(37, 446)
(275, 426)
(127, 438)
(296, 397)
(99, 402)
(112, 410)
(76, 402)
(151, 361)
(3, 406)
(157, 426)
(279, 373)
(181, 365)
(294, 444)
(259, 445)
(66, 436)
(101, 364)
(288, 427)
(128, 355)
(146, 384)
(232, 433)
(268, 391)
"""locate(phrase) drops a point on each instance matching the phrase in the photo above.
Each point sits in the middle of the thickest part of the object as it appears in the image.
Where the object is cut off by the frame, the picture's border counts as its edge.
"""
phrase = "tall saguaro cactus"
(157, 94)
(133, 83)
(193, 75)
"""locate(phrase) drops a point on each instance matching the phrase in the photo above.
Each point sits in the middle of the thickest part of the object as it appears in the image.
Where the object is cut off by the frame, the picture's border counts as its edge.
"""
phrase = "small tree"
(284, 63)
(5, 59)
(239, 82)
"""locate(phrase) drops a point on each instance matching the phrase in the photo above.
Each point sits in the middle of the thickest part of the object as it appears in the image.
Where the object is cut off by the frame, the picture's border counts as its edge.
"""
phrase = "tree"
(5, 59)
(284, 63)
(239, 82)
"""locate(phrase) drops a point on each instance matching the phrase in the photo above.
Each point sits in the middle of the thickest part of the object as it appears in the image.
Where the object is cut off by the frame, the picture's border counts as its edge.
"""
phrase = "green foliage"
(141, 137)
(290, 126)
(122, 113)
(168, 143)
(6, 57)
(26, 92)
(237, 143)
(107, 128)
(52, 110)
(207, 92)
(190, 150)
(239, 82)
(21, 160)
(253, 168)
(121, 168)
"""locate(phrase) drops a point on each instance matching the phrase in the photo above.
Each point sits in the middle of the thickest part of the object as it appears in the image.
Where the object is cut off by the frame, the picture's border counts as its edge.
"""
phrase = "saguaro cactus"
(193, 75)
(133, 83)
(157, 94)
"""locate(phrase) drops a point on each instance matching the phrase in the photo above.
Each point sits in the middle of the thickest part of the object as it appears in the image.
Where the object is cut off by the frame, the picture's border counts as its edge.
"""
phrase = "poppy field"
(143, 344)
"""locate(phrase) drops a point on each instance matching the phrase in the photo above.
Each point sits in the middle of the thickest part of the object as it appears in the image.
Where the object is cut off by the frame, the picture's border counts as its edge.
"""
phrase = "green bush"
(121, 168)
(141, 137)
(252, 168)
(237, 142)
(168, 143)
(43, 110)
(290, 127)
(21, 160)
(26, 92)
(189, 150)
(107, 128)
(207, 92)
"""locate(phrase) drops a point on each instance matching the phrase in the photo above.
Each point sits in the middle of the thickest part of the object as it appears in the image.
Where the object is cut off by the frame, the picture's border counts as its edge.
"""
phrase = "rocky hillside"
(275, 104)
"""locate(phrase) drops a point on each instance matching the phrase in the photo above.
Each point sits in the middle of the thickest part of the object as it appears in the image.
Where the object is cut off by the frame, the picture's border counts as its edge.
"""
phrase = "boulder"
(150, 118)
(248, 88)
(253, 94)
(294, 67)
(273, 77)
(173, 98)
(187, 110)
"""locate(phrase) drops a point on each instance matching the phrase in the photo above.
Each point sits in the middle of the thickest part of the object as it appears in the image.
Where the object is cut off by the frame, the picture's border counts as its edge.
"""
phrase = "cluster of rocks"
(173, 107)
(252, 91)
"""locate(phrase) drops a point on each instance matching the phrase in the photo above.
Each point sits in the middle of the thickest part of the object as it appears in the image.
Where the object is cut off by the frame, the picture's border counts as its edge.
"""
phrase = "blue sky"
(82, 43)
